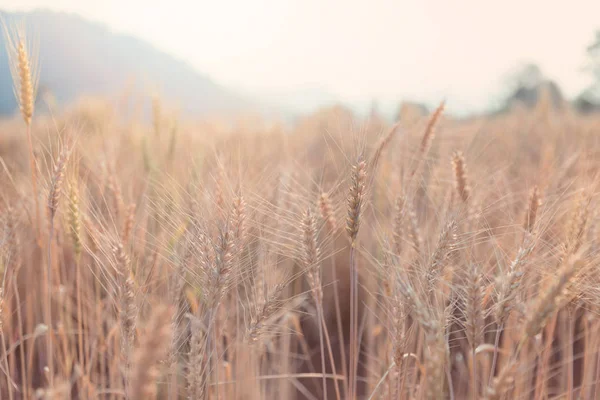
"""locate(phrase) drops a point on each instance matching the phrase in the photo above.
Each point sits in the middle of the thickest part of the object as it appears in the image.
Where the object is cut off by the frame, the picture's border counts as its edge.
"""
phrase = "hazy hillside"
(79, 57)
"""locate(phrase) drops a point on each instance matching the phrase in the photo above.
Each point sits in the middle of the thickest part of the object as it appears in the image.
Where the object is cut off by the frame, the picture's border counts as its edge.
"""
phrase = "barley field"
(335, 258)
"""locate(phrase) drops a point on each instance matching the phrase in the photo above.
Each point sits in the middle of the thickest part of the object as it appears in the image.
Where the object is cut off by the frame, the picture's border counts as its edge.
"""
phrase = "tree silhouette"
(589, 100)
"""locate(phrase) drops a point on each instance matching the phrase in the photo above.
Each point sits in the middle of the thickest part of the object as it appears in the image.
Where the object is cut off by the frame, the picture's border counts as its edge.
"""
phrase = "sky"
(426, 50)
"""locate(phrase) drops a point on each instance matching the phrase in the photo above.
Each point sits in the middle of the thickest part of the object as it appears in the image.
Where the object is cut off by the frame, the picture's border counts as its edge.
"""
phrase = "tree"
(593, 51)
(525, 76)
(590, 98)
(526, 85)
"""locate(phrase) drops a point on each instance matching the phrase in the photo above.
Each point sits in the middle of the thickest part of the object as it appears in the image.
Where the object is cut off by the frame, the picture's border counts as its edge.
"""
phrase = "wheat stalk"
(153, 348)
(128, 308)
(355, 205)
(196, 369)
(53, 200)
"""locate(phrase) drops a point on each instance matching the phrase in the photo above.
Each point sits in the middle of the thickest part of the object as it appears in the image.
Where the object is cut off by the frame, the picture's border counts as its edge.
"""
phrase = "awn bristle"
(92, 233)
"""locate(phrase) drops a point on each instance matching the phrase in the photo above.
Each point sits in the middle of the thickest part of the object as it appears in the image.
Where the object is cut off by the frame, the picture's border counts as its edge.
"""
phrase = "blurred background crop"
(250, 200)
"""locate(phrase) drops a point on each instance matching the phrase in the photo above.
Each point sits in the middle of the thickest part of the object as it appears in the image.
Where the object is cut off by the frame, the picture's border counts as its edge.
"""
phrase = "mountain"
(82, 58)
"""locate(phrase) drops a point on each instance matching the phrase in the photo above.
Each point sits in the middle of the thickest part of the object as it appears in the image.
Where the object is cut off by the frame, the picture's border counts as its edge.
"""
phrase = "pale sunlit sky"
(359, 50)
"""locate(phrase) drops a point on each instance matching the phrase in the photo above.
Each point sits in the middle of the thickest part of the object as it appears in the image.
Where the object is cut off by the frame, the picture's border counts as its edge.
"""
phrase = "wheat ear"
(460, 176)
(356, 198)
(327, 213)
(75, 218)
(430, 129)
(532, 209)
(24, 71)
(398, 222)
(547, 302)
